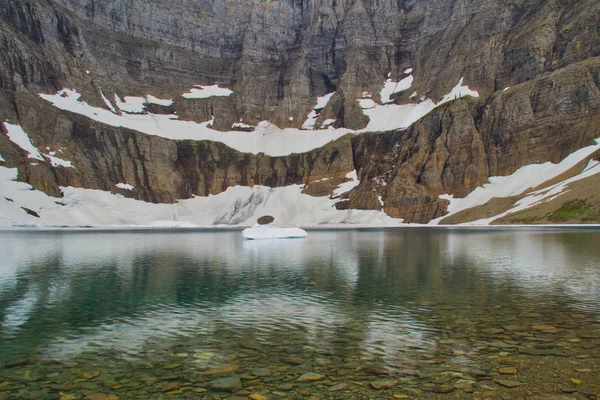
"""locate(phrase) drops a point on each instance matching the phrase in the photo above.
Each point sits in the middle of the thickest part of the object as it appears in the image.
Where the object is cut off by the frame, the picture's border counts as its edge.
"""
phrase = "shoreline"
(309, 228)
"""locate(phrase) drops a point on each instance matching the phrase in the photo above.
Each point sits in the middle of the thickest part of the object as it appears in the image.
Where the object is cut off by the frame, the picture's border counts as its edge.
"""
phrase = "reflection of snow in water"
(539, 262)
(391, 334)
(262, 316)
(19, 311)
(306, 289)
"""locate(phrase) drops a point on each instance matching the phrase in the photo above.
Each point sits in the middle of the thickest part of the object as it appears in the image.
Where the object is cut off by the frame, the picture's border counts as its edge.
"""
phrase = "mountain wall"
(278, 56)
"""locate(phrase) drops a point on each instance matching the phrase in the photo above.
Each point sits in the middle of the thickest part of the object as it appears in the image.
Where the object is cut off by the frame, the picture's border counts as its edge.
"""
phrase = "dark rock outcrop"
(265, 220)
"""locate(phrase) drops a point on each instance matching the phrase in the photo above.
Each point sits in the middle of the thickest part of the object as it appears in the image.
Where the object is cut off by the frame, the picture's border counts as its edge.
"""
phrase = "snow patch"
(17, 135)
(14, 195)
(366, 104)
(161, 102)
(204, 92)
(321, 180)
(58, 162)
(131, 105)
(241, 125)
(125, 186)
(347, 186)
(458, 92)
(525, 178)
(311, 119)
(387, 117)
(390, 87)
(328, 122)
(2, 158)
(107, 102)
(266, 138)
(236, 206)
(543, 195)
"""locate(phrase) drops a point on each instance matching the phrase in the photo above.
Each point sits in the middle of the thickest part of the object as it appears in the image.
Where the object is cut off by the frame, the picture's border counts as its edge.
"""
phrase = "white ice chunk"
(204, 92)
(271, 232)
(17, 135)
(125, 186)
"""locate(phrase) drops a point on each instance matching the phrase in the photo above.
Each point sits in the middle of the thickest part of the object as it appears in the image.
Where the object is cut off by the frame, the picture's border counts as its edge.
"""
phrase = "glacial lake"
(346, 314)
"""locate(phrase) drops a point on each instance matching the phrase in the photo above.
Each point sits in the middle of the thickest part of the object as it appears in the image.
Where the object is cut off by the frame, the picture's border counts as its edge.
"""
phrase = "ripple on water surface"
(429, 309)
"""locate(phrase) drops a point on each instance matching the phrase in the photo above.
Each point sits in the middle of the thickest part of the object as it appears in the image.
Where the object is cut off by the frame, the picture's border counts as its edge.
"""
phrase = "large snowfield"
(266, 137)
(243, 205)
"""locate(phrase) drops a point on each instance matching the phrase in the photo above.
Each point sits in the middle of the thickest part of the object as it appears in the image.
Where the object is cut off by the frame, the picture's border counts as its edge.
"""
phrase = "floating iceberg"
(271, 232)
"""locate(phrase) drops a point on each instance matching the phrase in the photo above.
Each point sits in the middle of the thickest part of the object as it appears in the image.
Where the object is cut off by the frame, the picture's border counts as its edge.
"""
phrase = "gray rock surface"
(278, 57)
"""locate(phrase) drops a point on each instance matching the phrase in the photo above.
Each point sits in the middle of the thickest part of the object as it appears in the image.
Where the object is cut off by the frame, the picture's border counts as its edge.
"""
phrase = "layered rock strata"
(278, 57)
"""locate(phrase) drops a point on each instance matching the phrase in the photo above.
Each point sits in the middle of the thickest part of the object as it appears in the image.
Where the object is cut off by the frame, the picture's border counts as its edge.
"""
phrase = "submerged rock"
(229, 384)
(384, 384)
(375, 369)
(311, 377)
(224, 369)
(508, 383)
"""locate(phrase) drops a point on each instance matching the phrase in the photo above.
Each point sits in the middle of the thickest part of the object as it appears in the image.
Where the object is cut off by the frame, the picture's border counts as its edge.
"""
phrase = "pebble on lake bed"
(230, 384)
(384, 384)
(310, 377)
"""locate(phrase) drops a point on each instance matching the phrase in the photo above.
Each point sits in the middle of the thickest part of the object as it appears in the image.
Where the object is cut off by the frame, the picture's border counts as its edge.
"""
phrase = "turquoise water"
(165, 314)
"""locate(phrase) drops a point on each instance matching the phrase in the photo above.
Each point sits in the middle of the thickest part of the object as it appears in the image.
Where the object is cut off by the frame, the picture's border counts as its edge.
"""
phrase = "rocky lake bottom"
(391, 314)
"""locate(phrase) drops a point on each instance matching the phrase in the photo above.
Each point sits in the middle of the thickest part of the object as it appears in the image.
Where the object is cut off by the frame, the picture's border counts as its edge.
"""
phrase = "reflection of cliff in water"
(348, 291)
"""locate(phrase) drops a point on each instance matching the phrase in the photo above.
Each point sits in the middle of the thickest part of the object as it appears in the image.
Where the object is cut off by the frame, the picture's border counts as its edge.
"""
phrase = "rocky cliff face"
(278, 57)
(457, 147)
